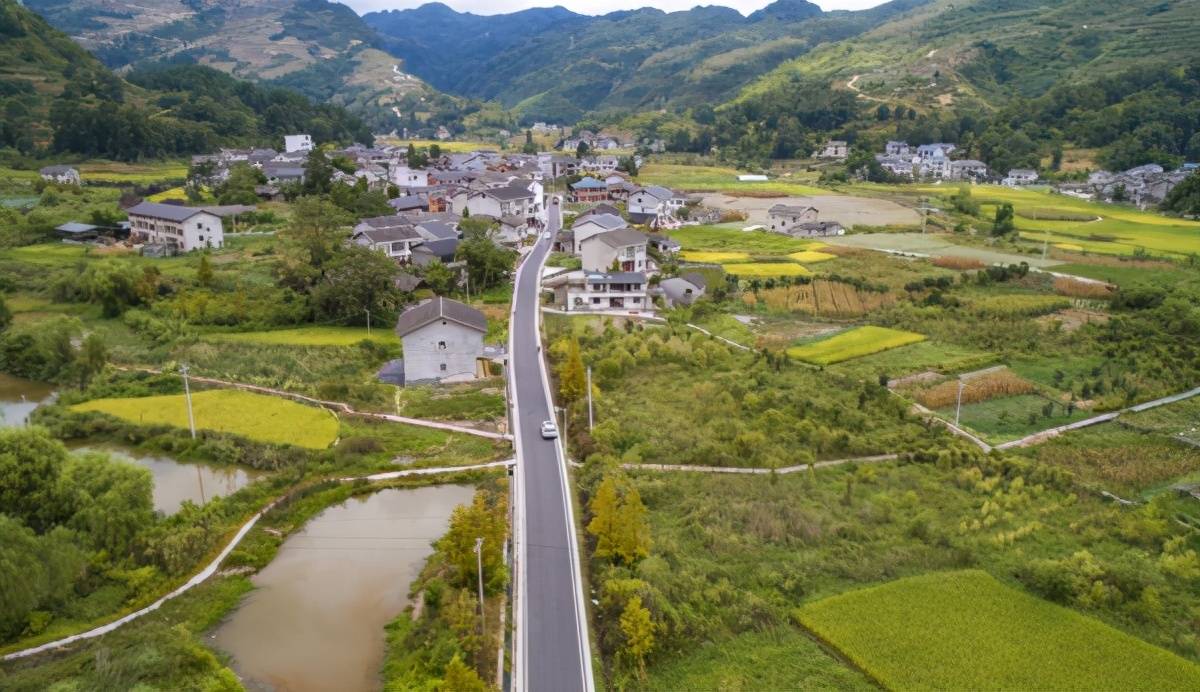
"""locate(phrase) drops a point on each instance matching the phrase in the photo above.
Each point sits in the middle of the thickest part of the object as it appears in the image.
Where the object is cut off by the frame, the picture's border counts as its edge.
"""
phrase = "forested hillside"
(58, 98)
(322, 49)
(556, 65)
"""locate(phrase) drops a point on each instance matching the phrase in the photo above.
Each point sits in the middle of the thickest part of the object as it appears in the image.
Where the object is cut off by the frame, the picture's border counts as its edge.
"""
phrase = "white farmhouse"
(443, 341)
(182, 229)
(391, 235)
(654, 205)
(583, 291)
(295, 143)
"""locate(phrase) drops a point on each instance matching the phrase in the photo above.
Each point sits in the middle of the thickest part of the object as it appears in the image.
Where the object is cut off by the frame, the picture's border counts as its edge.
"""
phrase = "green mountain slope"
(988, 51)
(320, 48)
(556, 65)
(56, 97)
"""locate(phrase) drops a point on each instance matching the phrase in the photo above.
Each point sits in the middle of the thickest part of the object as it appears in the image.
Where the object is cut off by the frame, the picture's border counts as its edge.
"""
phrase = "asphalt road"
(556, 653)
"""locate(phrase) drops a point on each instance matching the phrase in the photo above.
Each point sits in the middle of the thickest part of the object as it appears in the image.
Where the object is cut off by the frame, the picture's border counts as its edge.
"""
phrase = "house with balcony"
(586, 291)
(588, 225)
(588, 190)
(623, 250)
(391, 235)
(498, 202)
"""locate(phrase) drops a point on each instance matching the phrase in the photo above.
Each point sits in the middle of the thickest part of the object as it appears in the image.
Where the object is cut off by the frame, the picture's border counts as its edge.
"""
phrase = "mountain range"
(435, 65)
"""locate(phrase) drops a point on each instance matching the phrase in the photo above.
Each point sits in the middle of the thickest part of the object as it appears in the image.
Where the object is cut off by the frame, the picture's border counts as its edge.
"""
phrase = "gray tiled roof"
(621, 238)
(168, 212)
(440, 308)
(609, 221)
(510, 193)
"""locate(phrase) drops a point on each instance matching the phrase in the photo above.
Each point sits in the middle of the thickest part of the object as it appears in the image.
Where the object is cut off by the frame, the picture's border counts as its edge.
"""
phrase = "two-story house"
(589, 189)
(623, 250)
(782, 217)
(583, 291)
(593, 224)
(63, 175)
(179, 228)
(443, 341)
(390, 235)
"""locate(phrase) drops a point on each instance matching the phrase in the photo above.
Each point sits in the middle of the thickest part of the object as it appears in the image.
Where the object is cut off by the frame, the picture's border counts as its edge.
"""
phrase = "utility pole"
(368, 323)
(591, 420)
(187, 394)
(564, 424)
(1045, 246)
(479, 573)
(958, 404)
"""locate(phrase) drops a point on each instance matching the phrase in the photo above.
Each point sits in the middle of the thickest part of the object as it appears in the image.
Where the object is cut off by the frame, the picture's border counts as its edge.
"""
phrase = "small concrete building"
(783, 216)
(295, 143)
(181, 229)
(63, 175)
(443, 341)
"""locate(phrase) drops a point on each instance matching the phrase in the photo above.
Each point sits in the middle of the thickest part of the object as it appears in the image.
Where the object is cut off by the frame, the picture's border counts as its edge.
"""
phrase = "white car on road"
(549, 430)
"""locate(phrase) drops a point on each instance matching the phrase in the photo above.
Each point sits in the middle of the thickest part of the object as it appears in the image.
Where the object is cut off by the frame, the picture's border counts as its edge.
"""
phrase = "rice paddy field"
(811, 256)
(854, 343)
(254, 416)
(818, 297)
(967, 631)
(308, 336)
(765, 270)
(721, 179)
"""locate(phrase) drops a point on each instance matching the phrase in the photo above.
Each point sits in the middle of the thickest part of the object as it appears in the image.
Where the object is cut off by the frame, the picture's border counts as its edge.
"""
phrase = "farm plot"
(966, 630)
(1012, 417)
(811, 256)
(1017, 305)
(820, 297)
(716, 238)
(765, 270)
(985, 387)
(854, 343)
(923, 356)
(714, 256)
(307, 336)
(720, 179)
(254, 416)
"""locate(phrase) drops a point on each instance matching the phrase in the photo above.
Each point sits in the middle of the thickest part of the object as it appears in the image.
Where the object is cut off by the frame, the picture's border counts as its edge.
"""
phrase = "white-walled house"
(594, 224)
(584, 291)
(782, 217)
(403, 176)
(443, 341)
(180, 228)
(1021, 176)
(653, 205)
(390, 235)
(512, 200)
(295, 143)
(63, 175)
(625, 248)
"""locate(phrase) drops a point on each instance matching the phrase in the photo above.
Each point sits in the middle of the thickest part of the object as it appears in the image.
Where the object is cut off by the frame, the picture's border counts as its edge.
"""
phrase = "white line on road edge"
(580, 612)
(216, 563)
(520, 556)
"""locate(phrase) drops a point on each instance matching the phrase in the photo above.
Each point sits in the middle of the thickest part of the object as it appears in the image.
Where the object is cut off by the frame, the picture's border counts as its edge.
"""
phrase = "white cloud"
(590, 6)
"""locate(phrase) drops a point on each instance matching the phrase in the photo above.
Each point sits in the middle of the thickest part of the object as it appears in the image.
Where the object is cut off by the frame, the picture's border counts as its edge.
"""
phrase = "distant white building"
(897, 148)
(968, 169)
(63, 175)
(295, 143)
(182, 229)
(1021, 176)
(833, 149)
(443, 341)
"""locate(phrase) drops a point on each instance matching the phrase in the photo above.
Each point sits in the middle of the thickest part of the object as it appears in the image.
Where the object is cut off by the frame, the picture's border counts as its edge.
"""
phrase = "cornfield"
(821, 297)
(1082, 289)
(957, 263)
(994, 385)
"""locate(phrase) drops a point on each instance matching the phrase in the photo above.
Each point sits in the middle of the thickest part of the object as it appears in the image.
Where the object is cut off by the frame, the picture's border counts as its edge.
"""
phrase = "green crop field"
(308, 336)
(718, 239)
(917, 357)
(254, 416)
(118, 172)
(861, 341)
(714, 256)
(1012, 417)
(720, 179)
(765, 270)
(967, 631)
(47, 254)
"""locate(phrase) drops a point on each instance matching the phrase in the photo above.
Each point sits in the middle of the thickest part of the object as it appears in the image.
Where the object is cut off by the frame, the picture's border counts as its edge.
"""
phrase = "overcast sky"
(592, 6)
